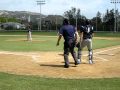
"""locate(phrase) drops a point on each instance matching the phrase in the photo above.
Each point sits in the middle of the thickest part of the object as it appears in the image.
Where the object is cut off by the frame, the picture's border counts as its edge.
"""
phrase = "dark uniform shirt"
(87, 31)
(67, 31)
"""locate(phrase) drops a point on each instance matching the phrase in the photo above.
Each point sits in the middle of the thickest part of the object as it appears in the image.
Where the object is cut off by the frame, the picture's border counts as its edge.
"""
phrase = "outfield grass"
(97, 34)
(103, 43)
(34, 33)
(15, 82)
(39, 43)
(42, 43)
(107, 34)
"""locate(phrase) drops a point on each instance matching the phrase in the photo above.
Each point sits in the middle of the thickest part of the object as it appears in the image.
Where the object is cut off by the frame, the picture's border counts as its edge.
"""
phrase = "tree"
(109, 20)
(97, 22)
(71, 15)
(74, 14)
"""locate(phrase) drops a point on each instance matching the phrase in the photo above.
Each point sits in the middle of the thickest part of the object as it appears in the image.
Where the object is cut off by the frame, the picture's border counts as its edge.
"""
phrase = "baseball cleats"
(79, 61)
(76, 63)
(66, 66)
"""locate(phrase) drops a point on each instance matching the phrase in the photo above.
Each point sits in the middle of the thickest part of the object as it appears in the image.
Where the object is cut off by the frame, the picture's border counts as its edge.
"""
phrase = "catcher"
(86, 34)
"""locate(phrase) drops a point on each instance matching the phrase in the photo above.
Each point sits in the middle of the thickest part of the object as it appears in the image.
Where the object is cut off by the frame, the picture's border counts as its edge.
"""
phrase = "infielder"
(68, 32)
(86, 34)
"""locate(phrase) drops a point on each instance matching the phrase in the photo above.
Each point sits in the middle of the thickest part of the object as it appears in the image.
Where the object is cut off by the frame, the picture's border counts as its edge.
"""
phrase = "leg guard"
(90, 54)
(90, 57)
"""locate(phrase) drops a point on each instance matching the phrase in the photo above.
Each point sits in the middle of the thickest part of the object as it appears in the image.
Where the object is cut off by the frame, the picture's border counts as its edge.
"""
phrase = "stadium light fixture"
(40, 2)
(115, 16)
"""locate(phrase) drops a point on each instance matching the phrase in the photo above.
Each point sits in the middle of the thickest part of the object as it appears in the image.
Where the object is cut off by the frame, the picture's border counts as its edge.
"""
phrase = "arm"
(76, 38)
(59, 38)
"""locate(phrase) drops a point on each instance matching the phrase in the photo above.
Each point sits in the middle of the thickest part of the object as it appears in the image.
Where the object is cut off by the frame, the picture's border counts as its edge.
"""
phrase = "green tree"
(109, 20)
(74, 14)
(97, 21)
(6, 19)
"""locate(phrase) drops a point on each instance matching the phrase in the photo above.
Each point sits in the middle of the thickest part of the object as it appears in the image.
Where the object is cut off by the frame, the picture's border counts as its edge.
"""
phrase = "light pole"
(56, 21)
(40, 2)
(76, 20)
(96, 21)
(115, 16)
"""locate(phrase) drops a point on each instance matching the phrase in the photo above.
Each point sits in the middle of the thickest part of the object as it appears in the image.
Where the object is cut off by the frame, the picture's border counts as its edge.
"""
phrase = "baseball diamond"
(38, 63)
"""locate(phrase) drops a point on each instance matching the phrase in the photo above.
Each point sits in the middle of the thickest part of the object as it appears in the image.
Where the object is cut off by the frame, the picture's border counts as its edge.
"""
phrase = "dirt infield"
(50, 64)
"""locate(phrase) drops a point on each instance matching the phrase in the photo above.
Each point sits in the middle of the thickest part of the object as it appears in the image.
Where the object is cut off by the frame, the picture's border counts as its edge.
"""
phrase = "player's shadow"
(61, 54)
(50, 65)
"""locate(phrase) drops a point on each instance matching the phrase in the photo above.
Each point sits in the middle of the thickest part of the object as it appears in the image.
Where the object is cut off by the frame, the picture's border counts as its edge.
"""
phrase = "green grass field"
(43, 43)
(15, 82)
(97, 34)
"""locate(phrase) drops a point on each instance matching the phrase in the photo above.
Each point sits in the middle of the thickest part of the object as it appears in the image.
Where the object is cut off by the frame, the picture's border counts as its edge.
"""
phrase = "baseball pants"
(69, 47)
(88, 43)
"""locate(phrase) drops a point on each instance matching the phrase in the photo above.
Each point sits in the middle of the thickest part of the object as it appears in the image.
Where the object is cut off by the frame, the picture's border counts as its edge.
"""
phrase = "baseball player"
(29, 35)
(86, 34)
(68, 31)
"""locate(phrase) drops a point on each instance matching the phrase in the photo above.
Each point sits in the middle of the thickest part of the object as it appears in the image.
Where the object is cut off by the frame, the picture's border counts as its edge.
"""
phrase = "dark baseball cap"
(87, 22)
(65, 21)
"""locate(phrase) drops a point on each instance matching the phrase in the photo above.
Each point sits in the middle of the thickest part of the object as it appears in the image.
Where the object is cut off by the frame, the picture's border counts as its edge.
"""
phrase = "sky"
(88, 8)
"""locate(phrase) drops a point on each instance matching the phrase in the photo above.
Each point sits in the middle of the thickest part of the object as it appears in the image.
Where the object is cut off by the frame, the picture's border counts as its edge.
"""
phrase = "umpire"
(68, 31)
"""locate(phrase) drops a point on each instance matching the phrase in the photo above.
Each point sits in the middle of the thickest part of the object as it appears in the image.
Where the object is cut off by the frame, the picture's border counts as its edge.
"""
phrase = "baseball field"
(38, 64)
